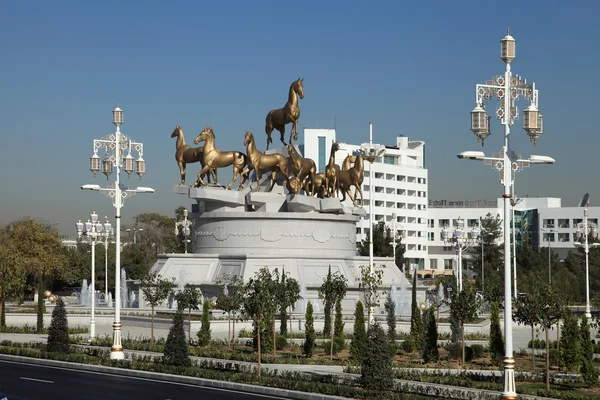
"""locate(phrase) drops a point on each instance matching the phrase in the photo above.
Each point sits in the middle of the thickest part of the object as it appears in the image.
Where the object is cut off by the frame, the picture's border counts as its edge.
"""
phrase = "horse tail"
(243, 156)
(269, 127)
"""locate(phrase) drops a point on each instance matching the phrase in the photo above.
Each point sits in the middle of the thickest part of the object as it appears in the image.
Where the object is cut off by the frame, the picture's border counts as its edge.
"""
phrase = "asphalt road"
(21, 381)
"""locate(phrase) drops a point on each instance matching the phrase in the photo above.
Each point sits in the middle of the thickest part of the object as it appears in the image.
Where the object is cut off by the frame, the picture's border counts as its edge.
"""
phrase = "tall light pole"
(507, 88)
(372, 152)
(584, 229)
(93, 234)
(549, 232)
(107, 240)
(461, 240)
(185, 228)
(114, 146)
(134, 230)
(513, 202)
(482, 257)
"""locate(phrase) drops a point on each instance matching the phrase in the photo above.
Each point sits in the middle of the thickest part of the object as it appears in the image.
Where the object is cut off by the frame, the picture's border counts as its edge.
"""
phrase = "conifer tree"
(430, 349)
(569, 343)
(416, 327)
(496, 342)
(204, 332)
(390, 308)
(58, 333)
(176, 347)
(338, 327)
(377, 371)
(358, 346)
(309, 332)
(588, 371)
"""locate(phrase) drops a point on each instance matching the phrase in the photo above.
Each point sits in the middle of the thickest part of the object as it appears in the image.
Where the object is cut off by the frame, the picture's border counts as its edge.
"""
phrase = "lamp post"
(185, 228)
(584, 229)
(507, 88)
(461, 240)
(107, 240)
(134, 230)
(549, 232)
(513, 202)
(372, 152)
(482, 257)
(115, 145)
(394, 236)
(95, 232)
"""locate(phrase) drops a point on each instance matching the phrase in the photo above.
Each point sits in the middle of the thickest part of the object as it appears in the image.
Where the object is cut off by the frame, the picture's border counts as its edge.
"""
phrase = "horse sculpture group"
(302, 175)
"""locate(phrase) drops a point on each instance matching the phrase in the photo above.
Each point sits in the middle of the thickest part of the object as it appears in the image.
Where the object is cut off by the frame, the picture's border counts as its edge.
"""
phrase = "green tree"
(136, 260)
(526, 313)
(189, 299)
(550, 309)
(204, 334)
(390, 309)
(455, 331)
(430, 348)
(416, 327)
(570, 350)
(383, 244)
(377, 372)
(493, 259)
(338, 327)
(12, 271)
(496, 342)
(260, 303)
(176, 347)
(230, 300)
(309, 332)
(39, 248)
(358, 346)
(289, 294)
(155, 290)
(588, 371)
(58, 333)
(465, 307)
(332, 291)
(369, 284)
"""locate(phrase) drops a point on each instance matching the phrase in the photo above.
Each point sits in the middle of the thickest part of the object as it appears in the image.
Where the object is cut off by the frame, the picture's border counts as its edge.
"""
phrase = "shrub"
(555, 357)
(430, 348)
(390, 308)
(408, 346)
(58, 333)
(176, 346)
(496, 342)
(204, 332)
(358, 347)
(468, 353)
(309, 331)
(281, 342)
(377, 372)
(477, 350)
(338, 327)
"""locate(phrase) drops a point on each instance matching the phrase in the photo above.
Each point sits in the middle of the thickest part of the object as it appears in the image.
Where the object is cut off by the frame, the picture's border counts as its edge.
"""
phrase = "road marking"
(36, 380)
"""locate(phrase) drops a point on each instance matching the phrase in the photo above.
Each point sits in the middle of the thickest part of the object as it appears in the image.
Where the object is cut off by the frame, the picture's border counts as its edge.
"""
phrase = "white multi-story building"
(539, 222)
(399, 188)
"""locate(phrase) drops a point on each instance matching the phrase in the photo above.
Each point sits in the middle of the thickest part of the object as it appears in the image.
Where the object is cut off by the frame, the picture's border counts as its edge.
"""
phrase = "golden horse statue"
(332, 170)
(277, 119)
(319, 185)
(353, 176)
(258, 160)
(215, 158)
(304, 169)
(185, 154)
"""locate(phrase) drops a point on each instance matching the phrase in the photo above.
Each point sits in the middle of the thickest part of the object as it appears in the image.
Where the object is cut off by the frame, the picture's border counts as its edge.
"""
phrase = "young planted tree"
(496, 342)
(430, 349)
(58, 333)
(332, 291)
(550, 305)
(526, 313)
(370, 282)
(38, 248)
(289, 294)
(176, 347)
(260, 303)
(189, 299)
(491, 279)
(155, 290)
(588, 371)
(338, 327)
(230, 300)
(390, 309)
(465, 309)
(12, 271)
(455, 335)
(309, 332)
(570, 350)
(416, 326)
(358, 346)
(204, 334)
(377, 371)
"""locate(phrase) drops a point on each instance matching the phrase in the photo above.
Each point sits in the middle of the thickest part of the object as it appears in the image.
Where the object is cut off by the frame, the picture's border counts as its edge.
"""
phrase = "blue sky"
(410, 67)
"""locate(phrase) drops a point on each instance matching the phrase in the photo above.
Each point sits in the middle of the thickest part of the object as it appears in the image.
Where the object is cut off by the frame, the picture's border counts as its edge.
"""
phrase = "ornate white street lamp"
(108, 239)
(185, 228)
(585, 229)
(115, 146)
(550, 235)
(135, 231)
(460, 240)
(93, 232)
(507, 88)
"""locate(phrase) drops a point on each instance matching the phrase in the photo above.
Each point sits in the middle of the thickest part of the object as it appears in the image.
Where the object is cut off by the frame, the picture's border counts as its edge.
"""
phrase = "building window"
(563, 223)
(389, 160)
(358, 231)
(432, 263)
(472, 223)
(448, 263)
(432, 223)
(431, 236)
(322, 154)
(444, 223)
(549, 223)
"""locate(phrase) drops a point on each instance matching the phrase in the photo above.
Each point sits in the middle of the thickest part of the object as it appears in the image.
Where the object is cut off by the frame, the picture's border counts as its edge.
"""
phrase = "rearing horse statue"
(185, 154)
(215, 158)
(277, 119)
(258, 160)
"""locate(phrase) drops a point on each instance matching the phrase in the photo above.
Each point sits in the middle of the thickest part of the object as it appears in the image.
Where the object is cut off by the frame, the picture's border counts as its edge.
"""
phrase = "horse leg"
(294, 131)
(350, 196)
(200, 174)
(273, 176)
(359, 190)
(244, 176)
(181, 173)
(257, 174)
(236, 172)
(282, 131)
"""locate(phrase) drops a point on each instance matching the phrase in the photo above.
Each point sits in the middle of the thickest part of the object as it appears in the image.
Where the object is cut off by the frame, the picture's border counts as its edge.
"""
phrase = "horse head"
(249, 137)
(204, 135)
(335, 145)
(299, 87)
(176, 132)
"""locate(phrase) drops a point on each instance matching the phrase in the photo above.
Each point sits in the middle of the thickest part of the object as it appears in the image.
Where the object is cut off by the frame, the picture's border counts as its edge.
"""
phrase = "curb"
(200, 382)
